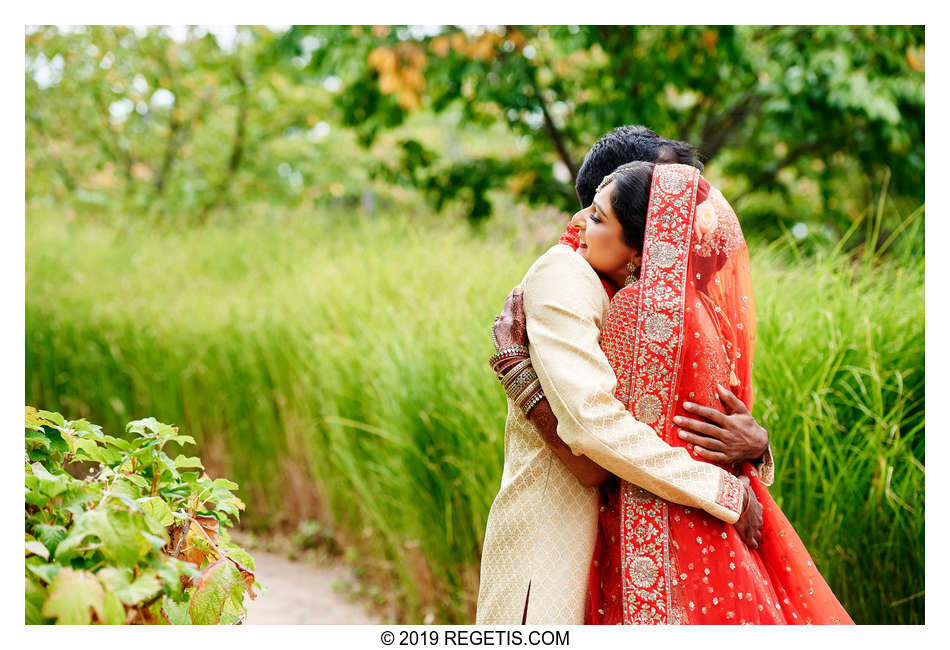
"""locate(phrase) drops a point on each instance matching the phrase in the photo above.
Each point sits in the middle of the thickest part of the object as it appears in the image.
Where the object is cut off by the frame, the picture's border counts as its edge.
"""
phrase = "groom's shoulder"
(560, 258)
(560, 271)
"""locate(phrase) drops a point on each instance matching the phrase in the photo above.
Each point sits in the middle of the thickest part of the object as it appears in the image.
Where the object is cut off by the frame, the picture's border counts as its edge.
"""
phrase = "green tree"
(185, 124)
(770, 106)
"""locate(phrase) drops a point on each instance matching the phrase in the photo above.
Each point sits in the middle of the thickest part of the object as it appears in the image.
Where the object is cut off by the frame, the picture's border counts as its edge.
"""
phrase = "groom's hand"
(509, 328)
(728, 437)
(749, 525)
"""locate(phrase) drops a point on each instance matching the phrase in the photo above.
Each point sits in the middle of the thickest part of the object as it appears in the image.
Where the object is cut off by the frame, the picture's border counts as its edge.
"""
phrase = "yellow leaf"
(72, 595)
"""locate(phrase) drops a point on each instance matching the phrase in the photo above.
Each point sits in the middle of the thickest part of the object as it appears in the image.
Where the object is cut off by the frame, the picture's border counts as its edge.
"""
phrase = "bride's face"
(601, 239)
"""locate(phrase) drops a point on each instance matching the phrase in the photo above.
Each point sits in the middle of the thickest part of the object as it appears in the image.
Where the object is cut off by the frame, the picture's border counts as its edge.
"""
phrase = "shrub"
(140, 539)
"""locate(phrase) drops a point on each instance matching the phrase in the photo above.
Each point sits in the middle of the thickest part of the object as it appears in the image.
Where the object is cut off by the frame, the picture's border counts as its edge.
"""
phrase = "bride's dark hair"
(631, 198)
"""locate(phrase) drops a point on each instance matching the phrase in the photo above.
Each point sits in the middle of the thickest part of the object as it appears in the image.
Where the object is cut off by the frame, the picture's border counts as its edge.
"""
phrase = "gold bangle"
(515, 385)
(531, 403)
(527, 392)
(530, 398)
(512, 351)
(510, 376)
(516, 364)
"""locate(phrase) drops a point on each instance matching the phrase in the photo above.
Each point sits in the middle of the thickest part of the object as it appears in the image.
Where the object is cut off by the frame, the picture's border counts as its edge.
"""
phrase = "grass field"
(336, 368)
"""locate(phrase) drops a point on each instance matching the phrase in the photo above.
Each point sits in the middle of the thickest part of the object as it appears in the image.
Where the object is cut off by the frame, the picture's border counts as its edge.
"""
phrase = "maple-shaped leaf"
(37, 548)
(224, 483)
(157, 509)
(119, 532)
(116, 442)
(50, 416)
(163, 459)
(239, 555)
(51, 536)
(118, 580)
(45, 572)
(142, 588)
(85, 428)
(175, 613)
(89, 449)
(136, 479)
(244, 563)
(188, 462)
(33, 420)
(220, 584)
(141, 426)
(50, 484)
(113, 613)
(73, 596)
(37, 440)
(35, 597)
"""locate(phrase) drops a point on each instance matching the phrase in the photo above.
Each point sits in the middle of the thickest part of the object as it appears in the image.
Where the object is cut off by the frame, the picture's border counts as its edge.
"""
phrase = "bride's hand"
(726, 437)
(749, 525)
(509, 328)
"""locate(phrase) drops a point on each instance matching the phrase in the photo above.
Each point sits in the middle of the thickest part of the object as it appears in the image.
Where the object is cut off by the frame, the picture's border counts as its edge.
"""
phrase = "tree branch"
(179, 133)
(556, 136)
(114, 148)
(47, 150)
(237, 146)
(686, 131)
(793, 155)
(717, 132)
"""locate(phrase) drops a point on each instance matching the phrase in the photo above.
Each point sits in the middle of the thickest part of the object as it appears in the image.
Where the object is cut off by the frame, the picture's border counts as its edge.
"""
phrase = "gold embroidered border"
(730, 493)
(645, 549)
(644, 557)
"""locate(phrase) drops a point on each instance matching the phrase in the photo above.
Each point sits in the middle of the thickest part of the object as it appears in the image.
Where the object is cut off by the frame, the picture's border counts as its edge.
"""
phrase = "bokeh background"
(291, 242)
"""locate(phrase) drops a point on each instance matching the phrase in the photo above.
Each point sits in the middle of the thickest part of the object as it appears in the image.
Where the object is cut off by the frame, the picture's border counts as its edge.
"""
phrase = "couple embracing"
(635, 485)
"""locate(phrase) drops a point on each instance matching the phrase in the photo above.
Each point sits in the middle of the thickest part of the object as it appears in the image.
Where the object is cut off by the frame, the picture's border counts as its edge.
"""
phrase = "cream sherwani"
(543, 522)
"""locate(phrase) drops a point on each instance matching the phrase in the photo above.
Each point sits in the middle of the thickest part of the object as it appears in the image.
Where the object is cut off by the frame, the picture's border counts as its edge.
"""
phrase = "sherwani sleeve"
(564, 305)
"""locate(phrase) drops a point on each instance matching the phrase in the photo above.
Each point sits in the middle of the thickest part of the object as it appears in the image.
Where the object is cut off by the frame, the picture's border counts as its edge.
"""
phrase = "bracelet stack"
(512, 365)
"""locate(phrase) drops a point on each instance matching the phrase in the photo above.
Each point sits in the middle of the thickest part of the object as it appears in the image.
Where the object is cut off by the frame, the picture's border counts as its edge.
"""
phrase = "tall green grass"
(337, 368)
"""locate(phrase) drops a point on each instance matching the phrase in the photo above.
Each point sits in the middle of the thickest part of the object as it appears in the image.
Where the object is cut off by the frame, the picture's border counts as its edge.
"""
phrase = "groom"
(543, 522)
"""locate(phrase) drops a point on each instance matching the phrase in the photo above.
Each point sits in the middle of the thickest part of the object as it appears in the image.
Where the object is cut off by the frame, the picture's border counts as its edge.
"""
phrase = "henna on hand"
(510, 326)
(510, 329)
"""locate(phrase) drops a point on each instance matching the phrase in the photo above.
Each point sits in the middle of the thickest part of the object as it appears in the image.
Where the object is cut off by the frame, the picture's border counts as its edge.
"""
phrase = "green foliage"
(785, 110)
(800, 123)
(121, 544)
(173, 129)
(338, 367)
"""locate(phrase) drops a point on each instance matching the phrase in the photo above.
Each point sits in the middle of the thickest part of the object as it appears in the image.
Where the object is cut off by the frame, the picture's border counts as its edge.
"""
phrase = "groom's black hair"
(623, 145)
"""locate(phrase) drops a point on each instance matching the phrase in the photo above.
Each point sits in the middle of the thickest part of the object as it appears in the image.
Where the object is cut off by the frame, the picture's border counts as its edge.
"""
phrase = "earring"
(632, 274)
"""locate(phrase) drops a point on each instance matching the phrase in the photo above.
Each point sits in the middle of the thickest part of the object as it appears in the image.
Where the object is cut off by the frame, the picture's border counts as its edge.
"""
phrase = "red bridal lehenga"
(687, 324)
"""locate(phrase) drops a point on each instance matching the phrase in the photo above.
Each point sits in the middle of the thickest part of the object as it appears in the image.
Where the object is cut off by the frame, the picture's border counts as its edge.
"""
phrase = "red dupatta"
(686, 325)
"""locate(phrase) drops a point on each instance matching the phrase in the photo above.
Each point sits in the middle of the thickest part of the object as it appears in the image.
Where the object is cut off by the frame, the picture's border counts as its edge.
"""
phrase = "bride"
(680, 328)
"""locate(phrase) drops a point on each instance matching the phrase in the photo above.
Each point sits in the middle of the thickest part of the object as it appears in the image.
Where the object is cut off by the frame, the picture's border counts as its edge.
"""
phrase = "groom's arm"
(587, 472)
(730, 436)
(563, 303)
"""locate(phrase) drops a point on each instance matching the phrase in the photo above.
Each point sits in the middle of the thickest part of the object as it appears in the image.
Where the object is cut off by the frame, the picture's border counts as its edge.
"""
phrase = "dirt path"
(302, 594)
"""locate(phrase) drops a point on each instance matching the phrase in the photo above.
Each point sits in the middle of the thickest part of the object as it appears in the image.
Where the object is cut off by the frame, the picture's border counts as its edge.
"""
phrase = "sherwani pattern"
(543, 523)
